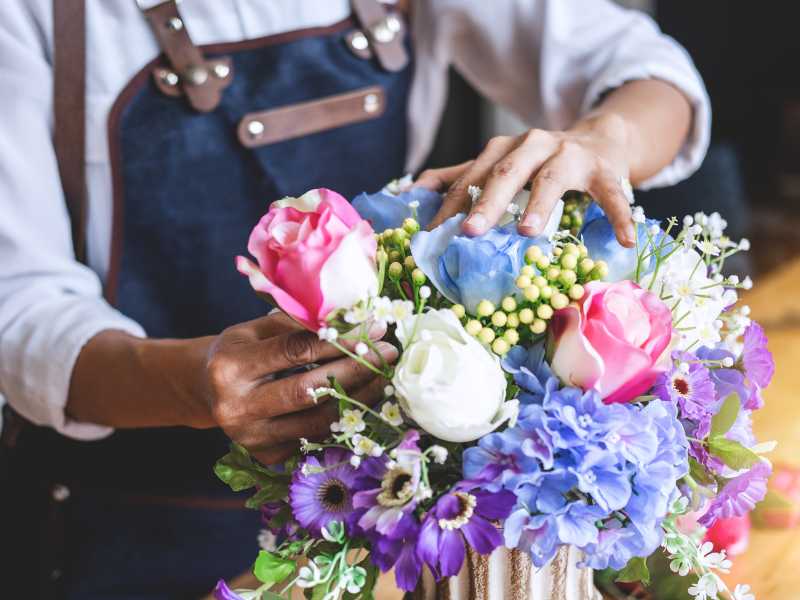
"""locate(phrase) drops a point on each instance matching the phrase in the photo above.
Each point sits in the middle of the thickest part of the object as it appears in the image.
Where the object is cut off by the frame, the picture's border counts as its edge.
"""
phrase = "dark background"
(749, 56)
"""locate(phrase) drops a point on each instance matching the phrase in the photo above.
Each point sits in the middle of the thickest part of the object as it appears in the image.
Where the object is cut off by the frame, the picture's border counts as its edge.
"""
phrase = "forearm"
(651, 117)
(122, 381)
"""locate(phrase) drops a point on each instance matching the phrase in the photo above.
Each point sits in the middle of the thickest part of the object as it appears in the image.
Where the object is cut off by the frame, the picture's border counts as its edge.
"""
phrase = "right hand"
(266, 415)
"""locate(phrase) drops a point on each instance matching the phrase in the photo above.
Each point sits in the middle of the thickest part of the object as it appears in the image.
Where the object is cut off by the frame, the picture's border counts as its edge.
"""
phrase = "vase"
(510, 575)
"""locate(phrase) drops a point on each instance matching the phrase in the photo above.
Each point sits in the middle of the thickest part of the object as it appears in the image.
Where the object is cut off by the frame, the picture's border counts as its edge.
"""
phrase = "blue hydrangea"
(387, 210)
(574, 462)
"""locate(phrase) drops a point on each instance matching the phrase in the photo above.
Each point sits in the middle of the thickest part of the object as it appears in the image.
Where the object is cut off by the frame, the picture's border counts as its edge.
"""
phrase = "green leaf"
(239, 471)
(270, 569)
(726, 417)
(635, 570)
(732, 453)
(267, 595)
(699, 473)
(271, 493)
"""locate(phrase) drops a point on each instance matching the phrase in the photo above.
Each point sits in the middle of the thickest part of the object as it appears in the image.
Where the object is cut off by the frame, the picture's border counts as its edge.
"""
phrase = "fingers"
(457, 199)
(291, 395)
(275, 455)
(508, 176)
(437, 179)
(554, 178)
(606, 189)
(313, 423)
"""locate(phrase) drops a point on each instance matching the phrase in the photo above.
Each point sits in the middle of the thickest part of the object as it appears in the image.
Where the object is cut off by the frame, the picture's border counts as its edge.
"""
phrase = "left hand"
(591, 157)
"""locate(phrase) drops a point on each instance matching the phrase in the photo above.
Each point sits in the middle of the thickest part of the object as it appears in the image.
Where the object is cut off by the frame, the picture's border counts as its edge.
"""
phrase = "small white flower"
(439, 454)
(638, 214)
(747, 283)
(304, 445)
(713, 560)
(328, 334)
(363, 446)
(355, 461)
(308, 576)
(706, 588)
(654, 230)
(696, 229)
(687, 221)
(382, 310)
(742, 592)
(413, 204)
(733, 279)
(727, 362)
(745, 310)
(424, 292)
(401, 309)
(681, 565)
(357, 314)
(707, 247)
(320, 392)
(351, 422)
(474, 193)
(388, 391)
(744, 244)
(390, 412)
(267, 540)
(361, 348)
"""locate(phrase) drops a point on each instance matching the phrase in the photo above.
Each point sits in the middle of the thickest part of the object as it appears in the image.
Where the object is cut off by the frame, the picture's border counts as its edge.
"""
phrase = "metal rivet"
(371, 103)
(221, 70)
(393, 23)
(175, 24)
(384, 32)
(196, 75)
(359, 41)
(60, 492)
(255, 128)
(170, 78)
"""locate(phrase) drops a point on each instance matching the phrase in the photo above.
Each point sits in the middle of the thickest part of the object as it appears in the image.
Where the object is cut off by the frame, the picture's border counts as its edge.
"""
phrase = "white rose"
(447, 381)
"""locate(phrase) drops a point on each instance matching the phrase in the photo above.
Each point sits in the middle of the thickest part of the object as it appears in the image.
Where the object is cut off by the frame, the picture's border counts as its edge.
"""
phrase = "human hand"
(266, 415)
(590, 157)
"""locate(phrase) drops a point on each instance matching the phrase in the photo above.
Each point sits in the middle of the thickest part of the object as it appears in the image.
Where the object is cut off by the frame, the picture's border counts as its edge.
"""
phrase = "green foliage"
(732, 453)
(635, 570)
(238, 470)
(722, 422)
(271, 569)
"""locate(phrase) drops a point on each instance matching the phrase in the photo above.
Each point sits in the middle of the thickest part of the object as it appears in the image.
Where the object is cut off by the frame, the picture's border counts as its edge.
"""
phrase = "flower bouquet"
(553, 394)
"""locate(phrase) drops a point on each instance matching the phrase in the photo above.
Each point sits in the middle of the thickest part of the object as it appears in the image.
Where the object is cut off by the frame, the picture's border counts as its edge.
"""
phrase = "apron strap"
(384, 30)
(69, 109)
(201, 81)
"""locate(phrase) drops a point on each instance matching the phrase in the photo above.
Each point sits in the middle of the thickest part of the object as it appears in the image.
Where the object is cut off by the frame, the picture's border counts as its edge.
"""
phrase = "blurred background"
(747, 54)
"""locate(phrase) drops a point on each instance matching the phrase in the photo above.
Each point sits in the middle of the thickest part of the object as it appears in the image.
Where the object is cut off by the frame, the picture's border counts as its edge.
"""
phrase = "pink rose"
(315, 255)
(616, 341)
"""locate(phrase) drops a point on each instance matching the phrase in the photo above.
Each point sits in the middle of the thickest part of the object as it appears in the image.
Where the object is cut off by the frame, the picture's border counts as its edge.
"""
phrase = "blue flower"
(531, 372)
(601, 242)
(470, 269)
(386, 209)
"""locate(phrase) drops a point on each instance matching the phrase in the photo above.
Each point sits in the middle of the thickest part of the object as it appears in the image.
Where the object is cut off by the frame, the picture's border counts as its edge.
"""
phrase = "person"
(137, 365)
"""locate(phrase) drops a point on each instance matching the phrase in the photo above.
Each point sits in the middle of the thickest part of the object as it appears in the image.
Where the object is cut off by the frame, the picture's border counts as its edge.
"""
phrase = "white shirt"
(548, 61)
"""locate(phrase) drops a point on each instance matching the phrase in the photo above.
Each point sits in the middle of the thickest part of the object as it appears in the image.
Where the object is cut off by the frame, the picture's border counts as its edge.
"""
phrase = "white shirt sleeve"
(550, 61)
(50, 305)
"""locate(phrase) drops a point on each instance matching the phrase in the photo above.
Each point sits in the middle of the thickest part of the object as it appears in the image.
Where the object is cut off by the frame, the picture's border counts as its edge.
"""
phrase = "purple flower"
(325, 493)
(759, 367)
(739, 496)
(223, 592)
(458, 517)
(693, 391)
(393, 489)
(399, 552)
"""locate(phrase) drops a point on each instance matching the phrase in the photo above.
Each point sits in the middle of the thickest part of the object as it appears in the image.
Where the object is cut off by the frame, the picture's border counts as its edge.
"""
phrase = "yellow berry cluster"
(545, 284)
(574, 207)
(394, 250)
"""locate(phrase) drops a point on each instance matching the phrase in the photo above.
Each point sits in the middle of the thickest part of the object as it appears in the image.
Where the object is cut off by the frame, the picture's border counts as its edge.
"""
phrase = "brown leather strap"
(385, 31)
(69, 108)
(200, 82)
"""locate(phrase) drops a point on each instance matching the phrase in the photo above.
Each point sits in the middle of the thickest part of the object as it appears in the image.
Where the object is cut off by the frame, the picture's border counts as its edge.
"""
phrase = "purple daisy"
(739, 496)
(223, 592)
(759, 365)
(459, 517)
(400, 553)
(395, 488)
(691, 389)
(322, 491)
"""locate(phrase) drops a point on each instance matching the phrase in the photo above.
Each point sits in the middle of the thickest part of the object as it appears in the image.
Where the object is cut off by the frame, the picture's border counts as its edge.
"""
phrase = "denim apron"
(145, 517)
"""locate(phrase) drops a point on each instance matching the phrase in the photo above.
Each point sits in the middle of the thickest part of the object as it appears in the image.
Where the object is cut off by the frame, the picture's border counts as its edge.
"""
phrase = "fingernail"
(532, 222)
(476, 220)
(388, 351)
(628, 235)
